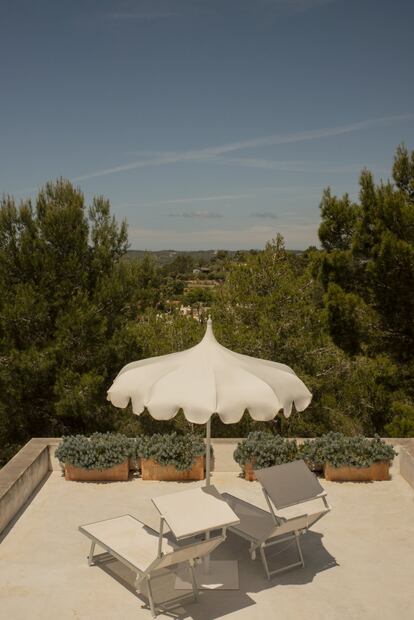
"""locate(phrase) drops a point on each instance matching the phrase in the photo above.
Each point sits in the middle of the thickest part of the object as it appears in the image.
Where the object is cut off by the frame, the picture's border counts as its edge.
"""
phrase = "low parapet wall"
(407, 463)
(22, 475)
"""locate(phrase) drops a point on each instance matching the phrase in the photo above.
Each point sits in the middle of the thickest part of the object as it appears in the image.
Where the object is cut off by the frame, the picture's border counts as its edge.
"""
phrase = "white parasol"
(205, 379)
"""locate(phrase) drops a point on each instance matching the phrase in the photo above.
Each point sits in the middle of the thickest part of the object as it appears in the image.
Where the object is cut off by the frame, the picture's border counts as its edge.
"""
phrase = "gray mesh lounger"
(283, 486)
(130, 542)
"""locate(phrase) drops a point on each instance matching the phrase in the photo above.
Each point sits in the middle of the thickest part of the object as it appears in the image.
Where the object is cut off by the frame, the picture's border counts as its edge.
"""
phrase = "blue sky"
(207, 123)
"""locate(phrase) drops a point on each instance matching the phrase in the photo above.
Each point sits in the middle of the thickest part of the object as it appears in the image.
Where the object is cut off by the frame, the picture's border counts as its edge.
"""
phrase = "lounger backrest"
(289, 484)
(189, 552)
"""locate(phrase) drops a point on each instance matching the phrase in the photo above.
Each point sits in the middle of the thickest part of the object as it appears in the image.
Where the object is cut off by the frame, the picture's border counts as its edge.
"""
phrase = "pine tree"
(369, 255)
(66, 301)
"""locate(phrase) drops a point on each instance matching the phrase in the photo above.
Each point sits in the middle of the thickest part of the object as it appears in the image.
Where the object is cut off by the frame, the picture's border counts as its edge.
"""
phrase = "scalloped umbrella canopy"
(209, 378)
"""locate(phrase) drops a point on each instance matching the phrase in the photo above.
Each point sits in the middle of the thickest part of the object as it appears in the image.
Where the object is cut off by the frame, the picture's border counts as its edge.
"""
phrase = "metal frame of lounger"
(283, 486)
(189, 553)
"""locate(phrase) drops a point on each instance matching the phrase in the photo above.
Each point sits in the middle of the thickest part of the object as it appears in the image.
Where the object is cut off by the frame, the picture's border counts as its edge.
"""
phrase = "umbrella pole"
(208, 468)
(220, 574)
(208, 452)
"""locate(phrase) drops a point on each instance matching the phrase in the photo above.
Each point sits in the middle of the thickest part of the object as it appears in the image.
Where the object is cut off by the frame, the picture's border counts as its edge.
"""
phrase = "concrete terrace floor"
(359, 558)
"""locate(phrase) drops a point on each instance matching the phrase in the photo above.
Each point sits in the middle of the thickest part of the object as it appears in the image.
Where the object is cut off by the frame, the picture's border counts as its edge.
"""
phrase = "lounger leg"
(301, 562)
(91, 552)
(264, 561)
(194, 582)
(299, 548)
(137, 583)
(150, 598)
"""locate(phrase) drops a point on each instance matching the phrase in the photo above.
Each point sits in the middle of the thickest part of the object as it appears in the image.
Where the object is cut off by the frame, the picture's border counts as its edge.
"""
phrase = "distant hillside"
(163, 257)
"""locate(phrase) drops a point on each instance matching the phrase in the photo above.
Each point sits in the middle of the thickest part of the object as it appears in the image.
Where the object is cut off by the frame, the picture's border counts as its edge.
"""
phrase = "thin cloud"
(265, 164)
(265, 215)
(299, 166)
(203, 215)
(253, 192)
(214, 152)
(203, 199)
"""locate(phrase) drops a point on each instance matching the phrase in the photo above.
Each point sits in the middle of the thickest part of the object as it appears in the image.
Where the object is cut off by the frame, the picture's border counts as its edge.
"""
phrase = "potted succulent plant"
(356, 458)
(171, 456)
(263, 449)
(312, 451)
(102, 456)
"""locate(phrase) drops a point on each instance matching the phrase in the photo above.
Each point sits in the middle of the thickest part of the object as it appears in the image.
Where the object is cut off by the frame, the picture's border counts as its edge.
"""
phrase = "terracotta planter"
(249, 473)
(116, 473)
(151, 470)
(377, 471)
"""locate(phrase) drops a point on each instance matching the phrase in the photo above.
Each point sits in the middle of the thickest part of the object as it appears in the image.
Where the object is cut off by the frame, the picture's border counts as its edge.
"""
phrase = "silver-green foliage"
(263, 449)
(171, 449)
(99, 451)
(341, 451)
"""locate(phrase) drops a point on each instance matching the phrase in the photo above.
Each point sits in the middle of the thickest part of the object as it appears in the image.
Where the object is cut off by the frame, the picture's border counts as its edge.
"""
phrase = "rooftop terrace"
(359, 558)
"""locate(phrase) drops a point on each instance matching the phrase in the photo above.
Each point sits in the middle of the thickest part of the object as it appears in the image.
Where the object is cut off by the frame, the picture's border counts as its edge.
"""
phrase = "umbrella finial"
(209, 335)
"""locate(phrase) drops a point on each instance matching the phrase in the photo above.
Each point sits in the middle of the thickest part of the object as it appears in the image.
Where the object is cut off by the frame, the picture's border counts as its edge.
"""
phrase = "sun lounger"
(144, 552)
(284, 486)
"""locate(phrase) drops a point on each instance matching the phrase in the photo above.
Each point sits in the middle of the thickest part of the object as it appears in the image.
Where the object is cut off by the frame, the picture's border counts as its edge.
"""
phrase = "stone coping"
(20, 477)
(407, 463)
(17, 465)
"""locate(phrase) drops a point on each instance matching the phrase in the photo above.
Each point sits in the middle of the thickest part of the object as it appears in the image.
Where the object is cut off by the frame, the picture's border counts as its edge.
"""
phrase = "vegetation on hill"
(165, 257)
(73, 312)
